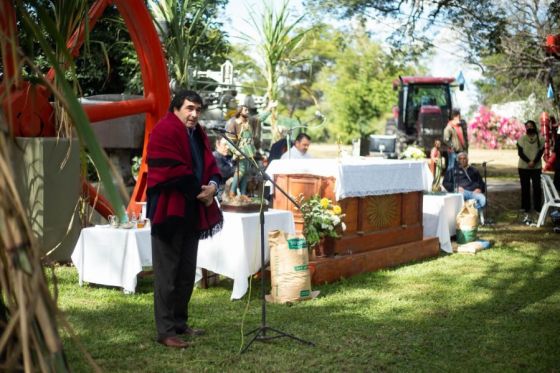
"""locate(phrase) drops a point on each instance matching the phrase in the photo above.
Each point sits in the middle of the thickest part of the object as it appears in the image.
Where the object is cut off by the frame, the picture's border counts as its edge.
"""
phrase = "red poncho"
(171, 182)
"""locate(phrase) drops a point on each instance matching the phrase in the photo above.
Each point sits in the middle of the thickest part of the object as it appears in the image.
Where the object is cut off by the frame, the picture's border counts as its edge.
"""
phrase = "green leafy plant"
(321, 219)
(135, 166)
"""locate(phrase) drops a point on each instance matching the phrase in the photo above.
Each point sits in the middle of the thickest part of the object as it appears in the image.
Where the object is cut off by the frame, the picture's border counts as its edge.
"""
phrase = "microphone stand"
(260, 333)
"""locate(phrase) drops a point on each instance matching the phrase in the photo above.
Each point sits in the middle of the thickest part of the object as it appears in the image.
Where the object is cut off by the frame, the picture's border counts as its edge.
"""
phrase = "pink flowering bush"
(489, 130)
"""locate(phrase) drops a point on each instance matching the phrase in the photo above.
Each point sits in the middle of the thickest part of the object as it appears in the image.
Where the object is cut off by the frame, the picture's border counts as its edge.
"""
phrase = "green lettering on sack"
(297, 243)
(302, 267)
(304, 293)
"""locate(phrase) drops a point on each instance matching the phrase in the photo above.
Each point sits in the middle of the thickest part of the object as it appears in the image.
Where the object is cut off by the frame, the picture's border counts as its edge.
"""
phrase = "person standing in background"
(530, 148)
(455, 139)
(299, 149)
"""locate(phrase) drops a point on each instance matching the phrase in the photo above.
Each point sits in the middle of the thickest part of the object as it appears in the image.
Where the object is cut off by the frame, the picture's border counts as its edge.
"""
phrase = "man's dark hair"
(180, 97)
(302, 136)
(531, 122)
(455, 113)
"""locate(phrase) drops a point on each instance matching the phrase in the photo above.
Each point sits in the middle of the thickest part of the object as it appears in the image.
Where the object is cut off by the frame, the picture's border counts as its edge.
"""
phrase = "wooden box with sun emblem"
(381, 230)
(371, 222)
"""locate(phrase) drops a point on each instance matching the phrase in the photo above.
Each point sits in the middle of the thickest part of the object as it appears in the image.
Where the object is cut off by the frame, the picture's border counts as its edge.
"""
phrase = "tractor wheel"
(156, 98)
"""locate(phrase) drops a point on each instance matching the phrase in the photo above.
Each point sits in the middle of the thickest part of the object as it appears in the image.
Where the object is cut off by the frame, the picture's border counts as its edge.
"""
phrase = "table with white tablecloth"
(235, 251)
(439, 214)
(114, 257)
(361, 176)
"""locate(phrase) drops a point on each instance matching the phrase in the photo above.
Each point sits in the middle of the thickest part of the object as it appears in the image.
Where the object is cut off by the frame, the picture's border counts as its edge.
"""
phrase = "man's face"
(463, 161)
(302, 145)
(457, 119)
(244, 111)
(188, 113)
(221, 147)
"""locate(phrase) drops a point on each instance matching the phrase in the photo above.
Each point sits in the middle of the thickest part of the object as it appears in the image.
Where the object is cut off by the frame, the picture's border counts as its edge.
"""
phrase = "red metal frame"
(26, 99)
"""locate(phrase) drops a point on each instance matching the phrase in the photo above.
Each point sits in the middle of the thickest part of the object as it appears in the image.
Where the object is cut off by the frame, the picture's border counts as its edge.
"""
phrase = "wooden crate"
(372, 222)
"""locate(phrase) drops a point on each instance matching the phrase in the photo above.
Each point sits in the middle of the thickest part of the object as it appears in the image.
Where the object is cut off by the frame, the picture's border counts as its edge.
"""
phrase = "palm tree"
(278, 45)
(187, 29)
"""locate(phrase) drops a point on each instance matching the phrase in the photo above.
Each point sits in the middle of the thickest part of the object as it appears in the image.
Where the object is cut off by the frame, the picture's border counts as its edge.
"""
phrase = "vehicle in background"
(424, 107)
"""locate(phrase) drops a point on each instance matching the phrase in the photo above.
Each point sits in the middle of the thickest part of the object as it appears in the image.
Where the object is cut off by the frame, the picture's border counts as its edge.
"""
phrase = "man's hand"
(460, 189)
(207, 194)
(531, 164)
(477, 190)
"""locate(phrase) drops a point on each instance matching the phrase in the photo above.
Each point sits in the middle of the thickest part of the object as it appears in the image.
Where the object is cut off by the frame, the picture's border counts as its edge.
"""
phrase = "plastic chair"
(551, 198)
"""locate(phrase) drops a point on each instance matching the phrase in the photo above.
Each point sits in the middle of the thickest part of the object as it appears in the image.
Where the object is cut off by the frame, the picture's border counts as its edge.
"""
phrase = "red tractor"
(423, 111)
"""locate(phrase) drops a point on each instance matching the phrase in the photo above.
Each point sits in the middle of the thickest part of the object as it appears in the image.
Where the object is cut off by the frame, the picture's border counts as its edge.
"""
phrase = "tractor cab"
(423, 110)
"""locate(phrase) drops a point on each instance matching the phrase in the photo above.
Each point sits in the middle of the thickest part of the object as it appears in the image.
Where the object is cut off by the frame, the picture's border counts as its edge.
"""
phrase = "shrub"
(488, 130)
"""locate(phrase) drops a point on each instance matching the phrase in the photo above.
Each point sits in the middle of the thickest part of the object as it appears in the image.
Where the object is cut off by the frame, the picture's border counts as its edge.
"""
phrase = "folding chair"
(551, 198)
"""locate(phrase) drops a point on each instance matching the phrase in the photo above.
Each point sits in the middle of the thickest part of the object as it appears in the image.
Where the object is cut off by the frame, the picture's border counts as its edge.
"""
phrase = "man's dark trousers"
(174, 264)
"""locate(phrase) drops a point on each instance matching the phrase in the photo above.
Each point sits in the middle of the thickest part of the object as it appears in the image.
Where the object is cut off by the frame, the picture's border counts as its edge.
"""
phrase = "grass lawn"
(496, 311)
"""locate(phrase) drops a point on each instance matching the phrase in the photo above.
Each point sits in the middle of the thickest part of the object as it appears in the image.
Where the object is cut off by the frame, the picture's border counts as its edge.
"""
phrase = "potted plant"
(322, 219)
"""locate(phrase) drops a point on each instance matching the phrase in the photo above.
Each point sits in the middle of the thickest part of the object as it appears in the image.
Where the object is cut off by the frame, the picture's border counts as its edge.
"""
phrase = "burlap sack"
(467, 223)
(289, 268)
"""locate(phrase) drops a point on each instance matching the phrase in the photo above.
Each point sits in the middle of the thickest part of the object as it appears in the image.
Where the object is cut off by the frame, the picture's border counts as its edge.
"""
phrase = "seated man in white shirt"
(299, 149)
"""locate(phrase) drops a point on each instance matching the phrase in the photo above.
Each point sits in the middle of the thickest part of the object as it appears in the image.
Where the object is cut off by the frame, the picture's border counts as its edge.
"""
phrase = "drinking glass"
(113, 221)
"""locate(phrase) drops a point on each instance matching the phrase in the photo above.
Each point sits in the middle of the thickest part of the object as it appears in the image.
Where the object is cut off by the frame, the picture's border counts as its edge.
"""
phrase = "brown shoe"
(192, 332)
(174, 342)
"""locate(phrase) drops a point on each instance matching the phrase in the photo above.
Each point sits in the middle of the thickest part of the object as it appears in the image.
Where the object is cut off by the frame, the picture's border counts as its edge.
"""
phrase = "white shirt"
(294, 153)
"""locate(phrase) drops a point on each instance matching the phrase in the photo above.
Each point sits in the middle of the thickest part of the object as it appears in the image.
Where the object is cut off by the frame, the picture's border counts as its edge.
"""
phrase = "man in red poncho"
(182, 181)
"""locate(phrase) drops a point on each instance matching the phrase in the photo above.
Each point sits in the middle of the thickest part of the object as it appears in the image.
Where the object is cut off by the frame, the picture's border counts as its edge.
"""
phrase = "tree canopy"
(504, 38)
(358, 85)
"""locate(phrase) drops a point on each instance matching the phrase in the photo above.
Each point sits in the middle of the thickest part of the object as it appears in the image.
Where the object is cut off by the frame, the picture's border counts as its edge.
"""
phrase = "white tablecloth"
(439, 214)
(109, 256)
(114, 257)
(235, 252)
(361, 176)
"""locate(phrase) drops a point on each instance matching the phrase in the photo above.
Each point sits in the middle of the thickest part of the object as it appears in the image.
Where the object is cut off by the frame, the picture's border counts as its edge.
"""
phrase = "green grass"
(497, 311)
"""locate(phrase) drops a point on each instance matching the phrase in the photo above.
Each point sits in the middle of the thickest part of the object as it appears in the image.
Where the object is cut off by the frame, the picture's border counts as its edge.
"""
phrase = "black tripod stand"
(260, 333)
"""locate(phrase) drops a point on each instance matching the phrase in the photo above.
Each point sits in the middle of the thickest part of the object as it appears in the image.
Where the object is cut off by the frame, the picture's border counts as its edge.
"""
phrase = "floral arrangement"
(321, 218)
(413, 152)
(489, 130)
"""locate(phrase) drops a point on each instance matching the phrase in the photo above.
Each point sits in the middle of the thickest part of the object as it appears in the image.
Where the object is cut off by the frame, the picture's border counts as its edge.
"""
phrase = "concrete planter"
(50, 189)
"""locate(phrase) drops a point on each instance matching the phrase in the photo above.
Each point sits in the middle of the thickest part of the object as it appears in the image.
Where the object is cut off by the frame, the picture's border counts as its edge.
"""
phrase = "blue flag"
(460, 78)
(550, 92)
